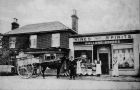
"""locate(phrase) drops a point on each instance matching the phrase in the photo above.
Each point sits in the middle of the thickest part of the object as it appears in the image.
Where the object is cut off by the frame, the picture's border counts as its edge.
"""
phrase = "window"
(84, 52)
(56, 40)
(33, 41)
(87, 54)
(125, 56)
(12, 42)
(49, 56)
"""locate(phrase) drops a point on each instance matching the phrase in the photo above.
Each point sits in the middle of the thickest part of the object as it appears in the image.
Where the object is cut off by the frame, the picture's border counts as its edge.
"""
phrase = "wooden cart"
(28, 67)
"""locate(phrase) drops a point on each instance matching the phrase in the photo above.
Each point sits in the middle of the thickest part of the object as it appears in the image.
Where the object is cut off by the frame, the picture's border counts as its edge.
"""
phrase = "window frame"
(123, 48)
(55, 40)
(33, 41)
(12, 42)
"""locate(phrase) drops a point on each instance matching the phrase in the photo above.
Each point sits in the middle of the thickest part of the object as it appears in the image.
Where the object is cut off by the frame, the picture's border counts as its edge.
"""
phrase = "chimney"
(15, 24)
(74, 21)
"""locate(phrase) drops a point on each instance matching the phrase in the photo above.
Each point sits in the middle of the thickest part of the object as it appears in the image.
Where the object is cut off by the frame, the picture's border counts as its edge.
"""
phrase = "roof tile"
(39, 27)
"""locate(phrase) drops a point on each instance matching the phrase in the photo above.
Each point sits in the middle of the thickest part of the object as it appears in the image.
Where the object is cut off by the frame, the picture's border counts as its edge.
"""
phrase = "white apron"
(115, 71)
(79, 70)
(98, 68)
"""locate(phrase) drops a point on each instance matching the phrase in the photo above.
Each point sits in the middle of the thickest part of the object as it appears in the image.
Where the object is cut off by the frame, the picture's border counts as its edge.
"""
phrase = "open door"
(104, 59)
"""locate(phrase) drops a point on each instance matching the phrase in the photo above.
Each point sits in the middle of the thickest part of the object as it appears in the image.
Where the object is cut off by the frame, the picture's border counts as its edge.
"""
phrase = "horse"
(58, 64)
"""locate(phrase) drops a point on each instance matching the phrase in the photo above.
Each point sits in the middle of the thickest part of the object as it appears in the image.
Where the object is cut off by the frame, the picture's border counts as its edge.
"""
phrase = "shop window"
(33, 41)
(86, 58)
(125, 58)
(87, 54)
(49, 56)
(55, 40)
(12, 42)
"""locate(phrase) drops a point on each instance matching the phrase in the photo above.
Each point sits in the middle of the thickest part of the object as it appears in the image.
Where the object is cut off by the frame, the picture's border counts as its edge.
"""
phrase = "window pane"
(56, 40)
(33, 40)
(12, 42)
(125, 58)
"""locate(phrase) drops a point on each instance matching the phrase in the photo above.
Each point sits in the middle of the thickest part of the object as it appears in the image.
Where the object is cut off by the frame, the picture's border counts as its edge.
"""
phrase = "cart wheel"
(25, 71)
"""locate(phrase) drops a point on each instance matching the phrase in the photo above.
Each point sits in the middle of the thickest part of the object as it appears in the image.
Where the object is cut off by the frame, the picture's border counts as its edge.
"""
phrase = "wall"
(4, 59)
(136, 53)
(5, 41)
(22, 42)
(43, 41)
(64, 39)
(71, 47)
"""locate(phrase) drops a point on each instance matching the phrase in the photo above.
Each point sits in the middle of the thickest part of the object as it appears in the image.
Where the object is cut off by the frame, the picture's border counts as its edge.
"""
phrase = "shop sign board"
(104, 42)
(99, 38)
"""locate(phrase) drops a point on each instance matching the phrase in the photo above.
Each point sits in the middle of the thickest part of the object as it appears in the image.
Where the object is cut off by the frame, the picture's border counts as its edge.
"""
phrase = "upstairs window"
(12, 42)
(33, 41)
(55, 40)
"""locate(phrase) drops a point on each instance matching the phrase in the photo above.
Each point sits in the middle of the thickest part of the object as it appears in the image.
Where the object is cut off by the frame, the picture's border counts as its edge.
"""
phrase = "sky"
(94, 15)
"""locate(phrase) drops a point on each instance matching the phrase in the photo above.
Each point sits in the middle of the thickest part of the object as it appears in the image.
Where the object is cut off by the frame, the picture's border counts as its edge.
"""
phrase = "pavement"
(92, 78)
(110, 78)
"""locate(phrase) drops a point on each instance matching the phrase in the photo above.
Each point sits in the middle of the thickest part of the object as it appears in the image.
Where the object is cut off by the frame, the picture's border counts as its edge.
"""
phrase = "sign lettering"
(104, 42)
(99, 38)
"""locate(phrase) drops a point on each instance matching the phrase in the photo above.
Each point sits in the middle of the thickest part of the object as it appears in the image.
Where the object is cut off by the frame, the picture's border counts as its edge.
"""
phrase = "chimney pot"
(74, 12)
(15, 24)
(15, 20)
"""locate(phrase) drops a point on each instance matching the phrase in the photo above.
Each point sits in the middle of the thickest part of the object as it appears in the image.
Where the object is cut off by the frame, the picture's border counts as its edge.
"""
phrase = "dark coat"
(72, 64)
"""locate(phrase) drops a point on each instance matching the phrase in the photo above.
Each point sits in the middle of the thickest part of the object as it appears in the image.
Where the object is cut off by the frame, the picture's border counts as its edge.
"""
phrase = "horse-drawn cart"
(28, 66)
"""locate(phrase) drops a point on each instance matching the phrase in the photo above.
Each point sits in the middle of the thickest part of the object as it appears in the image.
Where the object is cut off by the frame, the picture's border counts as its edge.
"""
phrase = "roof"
(40, 27)
(108, 33)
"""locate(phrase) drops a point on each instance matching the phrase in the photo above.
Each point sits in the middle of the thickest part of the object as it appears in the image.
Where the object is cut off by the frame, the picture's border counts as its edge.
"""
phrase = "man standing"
(72, 67)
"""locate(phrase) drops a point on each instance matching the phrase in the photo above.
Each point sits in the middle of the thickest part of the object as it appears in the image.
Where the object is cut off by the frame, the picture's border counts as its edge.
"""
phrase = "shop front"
(123, 47)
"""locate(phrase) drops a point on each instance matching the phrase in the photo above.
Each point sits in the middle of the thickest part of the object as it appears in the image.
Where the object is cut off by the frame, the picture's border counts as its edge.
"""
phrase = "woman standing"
(115, 72)
(79, 70)
(98, 67)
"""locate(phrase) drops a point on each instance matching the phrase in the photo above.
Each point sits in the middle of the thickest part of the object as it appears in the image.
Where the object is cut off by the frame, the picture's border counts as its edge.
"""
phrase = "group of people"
(69, 66)
(115, 70)
(75, 67)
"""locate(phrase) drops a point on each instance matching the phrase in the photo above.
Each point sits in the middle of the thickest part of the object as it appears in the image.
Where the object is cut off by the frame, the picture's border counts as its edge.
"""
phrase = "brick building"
(49, 40)
(44, 38)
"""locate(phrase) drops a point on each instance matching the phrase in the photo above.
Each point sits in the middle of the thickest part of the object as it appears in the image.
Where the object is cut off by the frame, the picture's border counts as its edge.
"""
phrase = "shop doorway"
(103, 53)
(104, 59)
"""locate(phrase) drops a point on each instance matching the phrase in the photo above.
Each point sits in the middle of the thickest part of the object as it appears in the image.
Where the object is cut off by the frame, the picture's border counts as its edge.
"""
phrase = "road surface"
(51, 83)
